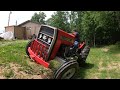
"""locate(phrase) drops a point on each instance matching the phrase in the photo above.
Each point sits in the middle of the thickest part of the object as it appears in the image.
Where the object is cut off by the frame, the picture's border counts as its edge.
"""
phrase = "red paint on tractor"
(62, 38)
(81, 45)
(40, 60)
(36, 51)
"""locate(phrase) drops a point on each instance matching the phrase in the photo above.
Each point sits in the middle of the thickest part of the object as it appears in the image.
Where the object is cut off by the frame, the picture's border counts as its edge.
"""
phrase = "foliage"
(39, 18)
(60, 20)
(94, 27)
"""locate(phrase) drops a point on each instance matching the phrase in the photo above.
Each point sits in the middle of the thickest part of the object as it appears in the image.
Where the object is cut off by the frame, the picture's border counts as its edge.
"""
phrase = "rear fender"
(82, 45)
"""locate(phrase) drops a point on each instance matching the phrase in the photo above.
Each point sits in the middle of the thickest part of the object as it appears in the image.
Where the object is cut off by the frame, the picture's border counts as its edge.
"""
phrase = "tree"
(60, 20)
(95, 27)
(72, 18)
(39, 18)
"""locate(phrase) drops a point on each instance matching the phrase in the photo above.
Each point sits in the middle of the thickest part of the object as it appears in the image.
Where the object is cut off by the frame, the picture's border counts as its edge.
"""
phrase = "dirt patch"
(105, 49)
(100, 66)
(110, 66)
(95, 76)
(108, 78)
(113, 65)
(16, 71)
(118, 55)
(1, 71)
(100, 63)
(2, 77)
(38, 69)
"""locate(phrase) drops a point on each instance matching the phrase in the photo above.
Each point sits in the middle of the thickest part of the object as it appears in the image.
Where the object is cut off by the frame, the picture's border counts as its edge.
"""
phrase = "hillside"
(102, 63)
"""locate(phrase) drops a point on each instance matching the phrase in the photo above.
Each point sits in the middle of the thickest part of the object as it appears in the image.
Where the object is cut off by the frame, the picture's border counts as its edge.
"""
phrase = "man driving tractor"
(75, 45)
(77, 38)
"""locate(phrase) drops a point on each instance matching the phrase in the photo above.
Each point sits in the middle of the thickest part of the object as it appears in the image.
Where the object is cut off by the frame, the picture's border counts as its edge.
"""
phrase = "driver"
(72, 50)
(77, 40)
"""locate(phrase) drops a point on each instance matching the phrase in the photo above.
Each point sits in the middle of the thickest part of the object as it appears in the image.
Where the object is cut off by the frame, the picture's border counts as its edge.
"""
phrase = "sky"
(20, 16)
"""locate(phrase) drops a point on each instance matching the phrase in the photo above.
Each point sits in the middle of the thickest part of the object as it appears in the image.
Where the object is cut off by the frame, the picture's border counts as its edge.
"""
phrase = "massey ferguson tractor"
(55, 44)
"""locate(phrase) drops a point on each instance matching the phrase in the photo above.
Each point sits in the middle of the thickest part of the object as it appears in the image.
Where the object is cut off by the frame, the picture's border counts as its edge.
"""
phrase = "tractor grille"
(46, 38)
(46, 35)
(39, 49)
(43, 45)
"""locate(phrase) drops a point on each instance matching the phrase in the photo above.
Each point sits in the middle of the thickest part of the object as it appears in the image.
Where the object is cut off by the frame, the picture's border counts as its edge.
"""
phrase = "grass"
(14, 58)
(13, 51)
(102, 63)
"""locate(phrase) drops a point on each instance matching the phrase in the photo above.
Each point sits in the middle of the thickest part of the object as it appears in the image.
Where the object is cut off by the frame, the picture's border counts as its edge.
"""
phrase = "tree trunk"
(94, 39)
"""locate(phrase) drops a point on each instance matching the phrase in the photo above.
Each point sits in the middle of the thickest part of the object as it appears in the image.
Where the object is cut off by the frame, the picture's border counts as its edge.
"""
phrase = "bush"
(117, 43)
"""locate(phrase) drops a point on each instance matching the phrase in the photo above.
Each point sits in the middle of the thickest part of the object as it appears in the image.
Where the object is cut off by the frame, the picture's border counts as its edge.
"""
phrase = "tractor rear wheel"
(66, 70)
(83, 55)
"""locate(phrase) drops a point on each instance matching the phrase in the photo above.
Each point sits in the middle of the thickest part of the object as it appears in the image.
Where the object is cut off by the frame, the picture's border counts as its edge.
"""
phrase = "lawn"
(15, 64)
(102, 63)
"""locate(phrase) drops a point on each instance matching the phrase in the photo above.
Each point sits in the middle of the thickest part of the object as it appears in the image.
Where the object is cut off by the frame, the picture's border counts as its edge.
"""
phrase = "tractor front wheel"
(27, 46)
(66, 70)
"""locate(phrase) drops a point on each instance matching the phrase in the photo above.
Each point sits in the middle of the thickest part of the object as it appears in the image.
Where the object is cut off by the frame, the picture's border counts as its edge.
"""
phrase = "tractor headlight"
(49, 40)
(44, 37)
(40, 36)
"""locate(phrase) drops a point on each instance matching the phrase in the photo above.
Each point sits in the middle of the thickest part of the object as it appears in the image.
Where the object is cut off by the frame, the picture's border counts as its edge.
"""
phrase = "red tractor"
(55, 44)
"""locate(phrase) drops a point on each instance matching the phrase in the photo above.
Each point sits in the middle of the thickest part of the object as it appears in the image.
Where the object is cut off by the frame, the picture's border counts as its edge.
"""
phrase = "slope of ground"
(102, 63)
(15, 64)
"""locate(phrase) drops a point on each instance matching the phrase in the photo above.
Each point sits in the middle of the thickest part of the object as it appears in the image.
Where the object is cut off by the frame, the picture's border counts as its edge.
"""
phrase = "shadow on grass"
(82, 70)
